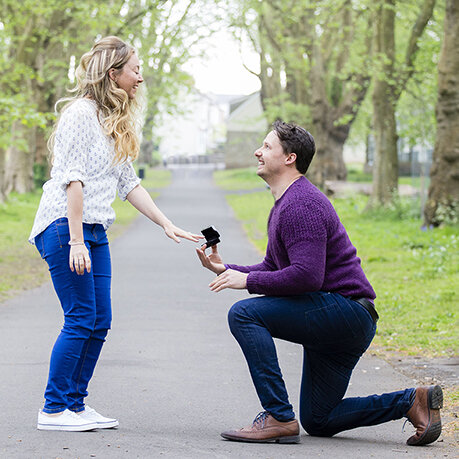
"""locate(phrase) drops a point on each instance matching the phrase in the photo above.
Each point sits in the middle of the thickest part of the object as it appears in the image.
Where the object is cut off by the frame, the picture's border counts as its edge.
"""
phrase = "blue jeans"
(86, 303)
(334, 332)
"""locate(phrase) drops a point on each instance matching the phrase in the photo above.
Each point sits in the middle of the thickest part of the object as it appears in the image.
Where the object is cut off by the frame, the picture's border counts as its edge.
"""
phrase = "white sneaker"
(91, 415)
(67, 420)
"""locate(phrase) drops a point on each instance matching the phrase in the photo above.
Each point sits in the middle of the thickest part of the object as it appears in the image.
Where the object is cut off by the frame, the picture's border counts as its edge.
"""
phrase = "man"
(314, 293)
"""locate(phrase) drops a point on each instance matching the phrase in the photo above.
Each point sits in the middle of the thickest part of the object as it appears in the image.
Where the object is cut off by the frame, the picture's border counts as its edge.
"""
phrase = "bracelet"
(75, 243)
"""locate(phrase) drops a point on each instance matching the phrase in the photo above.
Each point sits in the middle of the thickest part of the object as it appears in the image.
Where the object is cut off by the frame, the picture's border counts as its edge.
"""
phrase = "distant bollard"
(141, 173)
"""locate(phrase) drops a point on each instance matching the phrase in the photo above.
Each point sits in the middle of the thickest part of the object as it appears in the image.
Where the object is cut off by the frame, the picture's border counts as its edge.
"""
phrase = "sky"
(222, 72)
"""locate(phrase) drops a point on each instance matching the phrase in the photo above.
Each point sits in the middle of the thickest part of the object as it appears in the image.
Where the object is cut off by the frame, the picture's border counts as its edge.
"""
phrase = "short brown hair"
(295, 139)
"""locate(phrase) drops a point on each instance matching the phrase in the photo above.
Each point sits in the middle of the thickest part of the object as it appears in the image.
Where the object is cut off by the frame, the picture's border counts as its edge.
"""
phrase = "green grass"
(414, 272)
(239, 179)
(156, 178)
(247, 179)
(20, 264)
(355, 174)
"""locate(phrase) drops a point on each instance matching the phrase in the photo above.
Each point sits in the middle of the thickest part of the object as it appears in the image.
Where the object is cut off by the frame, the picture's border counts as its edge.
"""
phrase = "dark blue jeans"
(86, 303)
(334, 332)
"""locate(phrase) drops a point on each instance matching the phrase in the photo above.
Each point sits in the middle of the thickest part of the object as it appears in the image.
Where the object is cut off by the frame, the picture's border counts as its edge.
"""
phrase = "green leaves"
(39, 39)
(18, 108)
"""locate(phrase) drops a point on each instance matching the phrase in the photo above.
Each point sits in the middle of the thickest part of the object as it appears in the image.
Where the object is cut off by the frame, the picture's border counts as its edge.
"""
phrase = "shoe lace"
(404, 424)
(261, 417)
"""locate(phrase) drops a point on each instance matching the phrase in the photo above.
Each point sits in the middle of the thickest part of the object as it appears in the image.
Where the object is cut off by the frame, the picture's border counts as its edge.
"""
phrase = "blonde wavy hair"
(117, 112)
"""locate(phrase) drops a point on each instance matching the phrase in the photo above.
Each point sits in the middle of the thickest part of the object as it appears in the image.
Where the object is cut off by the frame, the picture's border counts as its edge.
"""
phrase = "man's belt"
(369, 306)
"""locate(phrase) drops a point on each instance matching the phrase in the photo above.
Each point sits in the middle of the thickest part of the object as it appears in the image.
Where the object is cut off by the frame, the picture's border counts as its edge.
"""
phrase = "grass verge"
(246, 178)
(238, 179)
(156, 178)
(20, 264)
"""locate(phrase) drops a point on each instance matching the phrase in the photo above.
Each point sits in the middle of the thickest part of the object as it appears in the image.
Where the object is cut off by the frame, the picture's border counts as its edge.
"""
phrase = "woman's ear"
(111, 75)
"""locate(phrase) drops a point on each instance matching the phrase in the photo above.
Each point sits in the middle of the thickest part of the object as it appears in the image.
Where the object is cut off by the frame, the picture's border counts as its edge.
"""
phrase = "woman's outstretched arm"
(141, 200)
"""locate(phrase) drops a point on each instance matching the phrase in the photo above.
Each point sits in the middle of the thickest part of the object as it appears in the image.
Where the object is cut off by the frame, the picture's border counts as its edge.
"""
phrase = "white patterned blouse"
(83, 152)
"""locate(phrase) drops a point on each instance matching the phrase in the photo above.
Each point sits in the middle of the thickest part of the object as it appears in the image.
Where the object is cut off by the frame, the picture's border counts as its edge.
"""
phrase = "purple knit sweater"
(308, 249)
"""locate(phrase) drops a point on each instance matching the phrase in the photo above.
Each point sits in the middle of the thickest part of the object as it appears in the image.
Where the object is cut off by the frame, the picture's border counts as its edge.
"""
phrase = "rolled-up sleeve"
(73, 139)
(128, 181)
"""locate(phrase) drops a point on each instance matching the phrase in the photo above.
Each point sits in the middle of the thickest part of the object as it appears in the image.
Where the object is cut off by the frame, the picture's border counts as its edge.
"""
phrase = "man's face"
(271, 157)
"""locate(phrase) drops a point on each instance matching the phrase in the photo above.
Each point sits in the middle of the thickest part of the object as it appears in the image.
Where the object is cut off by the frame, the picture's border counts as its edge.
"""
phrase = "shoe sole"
(107, 425)
(435, 395)
(282, 440)
(83, 428)
(433, 430)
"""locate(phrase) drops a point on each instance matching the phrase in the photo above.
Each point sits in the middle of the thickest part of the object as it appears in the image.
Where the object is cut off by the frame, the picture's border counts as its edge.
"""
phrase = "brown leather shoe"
(266, 429)
(425, 415)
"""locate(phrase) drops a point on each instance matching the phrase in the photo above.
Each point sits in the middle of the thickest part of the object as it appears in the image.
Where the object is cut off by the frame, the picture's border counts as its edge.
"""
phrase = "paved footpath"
(170, 371)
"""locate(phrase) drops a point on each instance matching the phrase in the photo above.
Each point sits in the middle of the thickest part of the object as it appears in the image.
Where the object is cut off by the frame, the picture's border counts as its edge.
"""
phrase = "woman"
(93, 146)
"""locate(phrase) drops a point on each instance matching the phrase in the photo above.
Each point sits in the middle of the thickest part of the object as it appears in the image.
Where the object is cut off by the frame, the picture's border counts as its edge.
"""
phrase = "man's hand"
(229, 279)
(213, 261)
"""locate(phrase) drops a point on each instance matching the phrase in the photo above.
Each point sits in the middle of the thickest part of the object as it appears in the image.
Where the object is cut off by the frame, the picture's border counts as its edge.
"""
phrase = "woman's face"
(129, 78)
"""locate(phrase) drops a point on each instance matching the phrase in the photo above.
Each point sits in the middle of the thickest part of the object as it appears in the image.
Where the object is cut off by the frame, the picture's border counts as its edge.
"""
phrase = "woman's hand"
(79, 255)
(213, 261)
(174, 232)
(141, 200)
(79, 259)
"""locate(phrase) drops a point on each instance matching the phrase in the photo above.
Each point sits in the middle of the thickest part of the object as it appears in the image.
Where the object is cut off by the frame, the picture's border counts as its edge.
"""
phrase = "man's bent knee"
(237, 315)
(315, 428)
(233, 314)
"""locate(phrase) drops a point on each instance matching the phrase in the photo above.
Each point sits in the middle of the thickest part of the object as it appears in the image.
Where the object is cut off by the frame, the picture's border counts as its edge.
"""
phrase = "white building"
(246, 128)
(200, 130)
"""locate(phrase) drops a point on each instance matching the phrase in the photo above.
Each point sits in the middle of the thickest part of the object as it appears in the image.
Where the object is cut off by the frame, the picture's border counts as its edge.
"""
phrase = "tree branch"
(413, 47)
(135, 17)
(258, 75)
(269, 33)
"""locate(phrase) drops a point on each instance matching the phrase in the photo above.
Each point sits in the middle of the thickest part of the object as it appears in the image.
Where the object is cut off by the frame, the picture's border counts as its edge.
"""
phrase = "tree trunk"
(146, 153)
(368, 167)
(269, 72)
(385, 162)
(147, 146)
(41, 162)
(443, 201)
(385, 166)
(2, 175)
(19, 161)
(314, 60)
(388, 86)
(328, 163)
(296, 70)
(46, 92)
